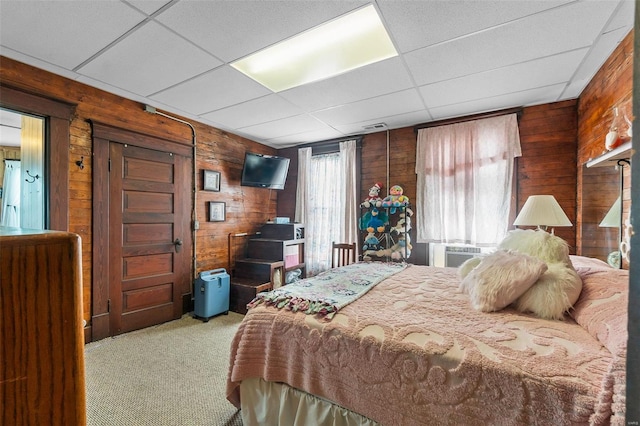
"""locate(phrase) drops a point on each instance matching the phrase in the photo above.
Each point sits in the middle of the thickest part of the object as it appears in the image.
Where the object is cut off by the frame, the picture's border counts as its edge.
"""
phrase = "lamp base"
(614, 259)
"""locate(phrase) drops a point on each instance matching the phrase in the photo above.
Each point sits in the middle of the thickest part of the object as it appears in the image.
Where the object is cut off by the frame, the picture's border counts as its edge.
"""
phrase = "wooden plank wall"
(547, 166)
(247, 208)
(611, 86)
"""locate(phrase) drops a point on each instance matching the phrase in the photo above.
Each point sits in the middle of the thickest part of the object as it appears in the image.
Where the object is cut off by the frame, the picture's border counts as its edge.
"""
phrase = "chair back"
(342, 254)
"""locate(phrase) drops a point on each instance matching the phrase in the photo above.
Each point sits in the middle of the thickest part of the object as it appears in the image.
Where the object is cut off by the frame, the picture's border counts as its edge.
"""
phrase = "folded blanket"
(329, 291)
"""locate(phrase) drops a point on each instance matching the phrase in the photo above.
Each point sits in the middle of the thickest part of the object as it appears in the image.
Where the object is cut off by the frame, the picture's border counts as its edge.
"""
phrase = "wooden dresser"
(41, 339)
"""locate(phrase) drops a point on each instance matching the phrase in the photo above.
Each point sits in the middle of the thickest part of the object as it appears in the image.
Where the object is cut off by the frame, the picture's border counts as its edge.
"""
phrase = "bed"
(411, 351)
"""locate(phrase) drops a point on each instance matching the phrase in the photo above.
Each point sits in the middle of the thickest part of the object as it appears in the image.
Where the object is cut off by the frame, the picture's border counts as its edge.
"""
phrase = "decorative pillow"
(467, 266)
(602, 306)
(553, 294)
(537, 243)
(500, 279)
(588, 262)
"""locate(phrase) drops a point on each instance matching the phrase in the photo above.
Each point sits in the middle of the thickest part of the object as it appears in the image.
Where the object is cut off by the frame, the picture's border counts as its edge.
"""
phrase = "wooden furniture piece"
(277, 249)
(342, 254)
(243, 291)
(41, 338)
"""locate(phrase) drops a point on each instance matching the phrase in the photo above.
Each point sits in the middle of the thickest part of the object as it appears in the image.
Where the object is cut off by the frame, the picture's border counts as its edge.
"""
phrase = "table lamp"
(613, 219)
(542, 211)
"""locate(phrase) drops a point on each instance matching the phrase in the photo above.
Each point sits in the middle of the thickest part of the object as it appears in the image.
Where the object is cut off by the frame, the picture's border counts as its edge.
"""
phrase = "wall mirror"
(600, 221)
(22, 171)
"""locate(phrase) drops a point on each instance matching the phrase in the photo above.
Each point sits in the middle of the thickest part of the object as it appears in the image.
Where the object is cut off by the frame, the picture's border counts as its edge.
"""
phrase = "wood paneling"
(611, 87)
(547, 166)
(247, 208)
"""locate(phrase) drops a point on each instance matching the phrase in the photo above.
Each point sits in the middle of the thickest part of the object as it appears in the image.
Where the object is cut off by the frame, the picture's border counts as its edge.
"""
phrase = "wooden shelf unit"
(278, 248)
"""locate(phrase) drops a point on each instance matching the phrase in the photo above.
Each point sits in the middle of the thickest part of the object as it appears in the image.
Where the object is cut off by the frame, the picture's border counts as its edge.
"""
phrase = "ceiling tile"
(373, 80)
(305, 137)
(285, 127)
(417, 24)
(233, 29)
(570, 27)
(524, 98)
(38, 63)
(64, 33)
(214, 90)
(172, 54)
(256, 111)
(623, 16)
(392, 122)
(516, 78)
(10, 125)
(148, 60)
(148, 6)
(592, 63)
(371, 109)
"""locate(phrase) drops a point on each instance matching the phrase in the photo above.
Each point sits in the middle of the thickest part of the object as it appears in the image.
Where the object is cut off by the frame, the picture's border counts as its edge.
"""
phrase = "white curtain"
(349, 231)
(326, 202)
(304, 164)
(464, 180)
(11, 194)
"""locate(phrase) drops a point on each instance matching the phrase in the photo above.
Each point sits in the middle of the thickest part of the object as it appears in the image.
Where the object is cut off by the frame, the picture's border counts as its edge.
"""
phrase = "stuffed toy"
(395, 199)
(403, 249)
(371, 242)
(404, 222)
(551, 292)
(374, 198)
(376, 221)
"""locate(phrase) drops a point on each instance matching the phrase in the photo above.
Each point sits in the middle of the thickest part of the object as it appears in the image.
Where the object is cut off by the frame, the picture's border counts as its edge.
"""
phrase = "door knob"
(177, 244)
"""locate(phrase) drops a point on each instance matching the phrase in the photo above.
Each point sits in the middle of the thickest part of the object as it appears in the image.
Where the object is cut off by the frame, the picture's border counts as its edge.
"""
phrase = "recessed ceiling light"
(349, 42)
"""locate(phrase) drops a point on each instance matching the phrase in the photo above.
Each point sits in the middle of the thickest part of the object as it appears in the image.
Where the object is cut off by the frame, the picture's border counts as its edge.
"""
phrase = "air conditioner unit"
(453, 255)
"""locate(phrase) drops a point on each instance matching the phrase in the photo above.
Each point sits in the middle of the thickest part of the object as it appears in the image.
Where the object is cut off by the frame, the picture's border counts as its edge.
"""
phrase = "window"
(464, 180)
(326, 202)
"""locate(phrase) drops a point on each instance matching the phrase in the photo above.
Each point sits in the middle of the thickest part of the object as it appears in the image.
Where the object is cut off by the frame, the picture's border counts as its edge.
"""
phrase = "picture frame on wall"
(217, 211)
(211, 181)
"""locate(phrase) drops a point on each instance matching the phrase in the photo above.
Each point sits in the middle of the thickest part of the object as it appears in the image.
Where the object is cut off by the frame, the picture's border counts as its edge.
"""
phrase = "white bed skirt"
(268, 403)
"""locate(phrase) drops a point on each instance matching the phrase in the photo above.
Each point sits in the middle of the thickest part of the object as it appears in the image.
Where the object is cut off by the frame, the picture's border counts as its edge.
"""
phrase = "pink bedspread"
(412, 351)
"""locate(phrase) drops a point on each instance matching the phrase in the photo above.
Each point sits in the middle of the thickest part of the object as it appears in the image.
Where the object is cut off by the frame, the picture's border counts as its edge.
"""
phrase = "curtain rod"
(330, 146)
(465, 118)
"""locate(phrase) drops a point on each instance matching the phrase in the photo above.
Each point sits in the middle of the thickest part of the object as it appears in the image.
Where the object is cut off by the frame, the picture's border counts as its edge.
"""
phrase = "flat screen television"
(264, 171)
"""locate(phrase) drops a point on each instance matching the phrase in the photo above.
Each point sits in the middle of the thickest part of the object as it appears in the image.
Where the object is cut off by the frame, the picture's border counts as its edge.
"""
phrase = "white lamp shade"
(613, 217)
(542, 210)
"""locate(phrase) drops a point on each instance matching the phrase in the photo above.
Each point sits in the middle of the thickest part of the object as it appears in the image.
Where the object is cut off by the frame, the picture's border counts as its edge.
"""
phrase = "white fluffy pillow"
(537, 243)
(467, 266)
(500, 279)
(553, 294)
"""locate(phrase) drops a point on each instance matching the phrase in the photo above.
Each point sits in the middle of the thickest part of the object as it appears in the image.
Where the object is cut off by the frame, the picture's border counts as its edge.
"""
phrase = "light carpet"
(171, 374)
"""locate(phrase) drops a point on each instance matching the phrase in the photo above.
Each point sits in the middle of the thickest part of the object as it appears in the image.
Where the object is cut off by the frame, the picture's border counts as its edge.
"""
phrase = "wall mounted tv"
(264, 171)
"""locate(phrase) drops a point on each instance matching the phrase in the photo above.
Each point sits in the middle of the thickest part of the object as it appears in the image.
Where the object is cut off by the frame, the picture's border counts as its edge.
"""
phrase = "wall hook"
(80, 163)
(33, 178)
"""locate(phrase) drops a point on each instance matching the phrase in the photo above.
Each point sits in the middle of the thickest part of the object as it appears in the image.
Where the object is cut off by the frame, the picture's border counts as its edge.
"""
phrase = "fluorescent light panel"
(349, 42)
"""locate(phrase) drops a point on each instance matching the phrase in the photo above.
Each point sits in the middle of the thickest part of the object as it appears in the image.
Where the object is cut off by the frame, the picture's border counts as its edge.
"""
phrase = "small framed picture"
(217, 211)
(211, 181)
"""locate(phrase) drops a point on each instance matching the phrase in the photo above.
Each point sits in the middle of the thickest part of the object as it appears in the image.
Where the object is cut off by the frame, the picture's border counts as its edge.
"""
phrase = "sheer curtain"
(11, 194)
(464, 180)
(326, 202)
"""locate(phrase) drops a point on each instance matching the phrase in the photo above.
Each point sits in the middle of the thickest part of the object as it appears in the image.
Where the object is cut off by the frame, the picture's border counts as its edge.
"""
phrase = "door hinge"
(108, 306)
(109, 166)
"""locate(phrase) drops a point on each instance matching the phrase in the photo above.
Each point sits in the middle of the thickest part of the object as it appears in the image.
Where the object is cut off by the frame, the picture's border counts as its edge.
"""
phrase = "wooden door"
(148, 251)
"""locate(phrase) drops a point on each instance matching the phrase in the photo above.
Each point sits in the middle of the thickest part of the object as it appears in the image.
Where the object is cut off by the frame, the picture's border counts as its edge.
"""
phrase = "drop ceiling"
(455, 58)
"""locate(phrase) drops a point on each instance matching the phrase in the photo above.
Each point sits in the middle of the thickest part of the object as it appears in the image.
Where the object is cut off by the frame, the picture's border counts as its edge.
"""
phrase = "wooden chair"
(342, 254)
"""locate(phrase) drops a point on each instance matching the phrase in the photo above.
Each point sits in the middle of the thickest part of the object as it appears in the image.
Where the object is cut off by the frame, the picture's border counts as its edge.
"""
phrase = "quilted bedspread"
(412, 351)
